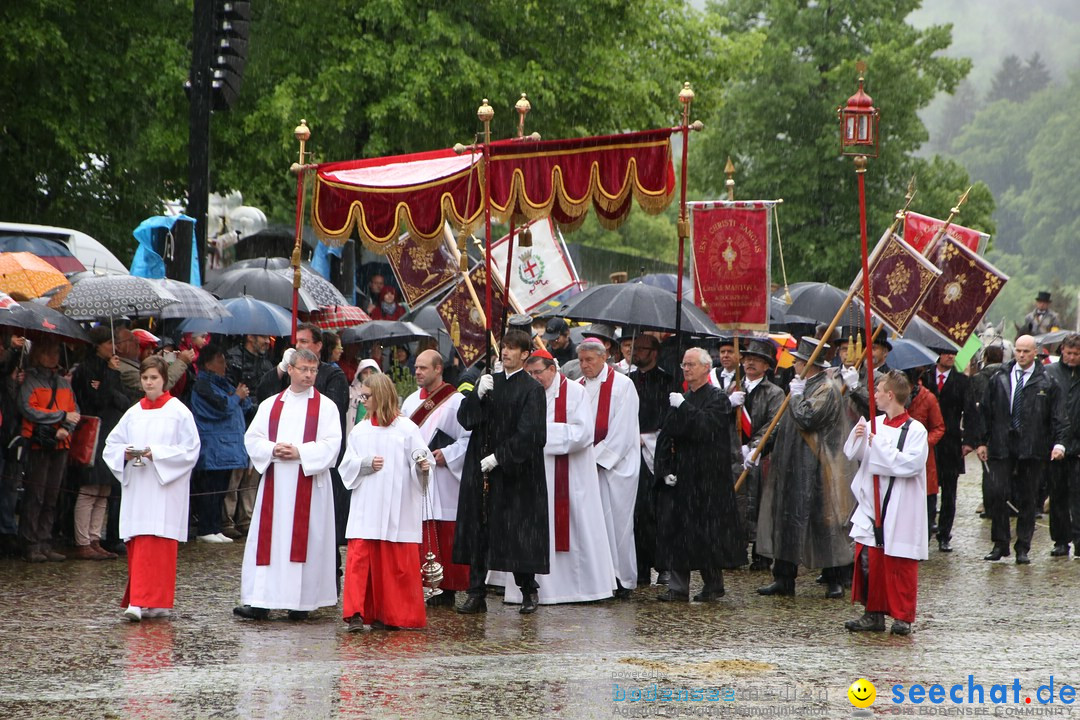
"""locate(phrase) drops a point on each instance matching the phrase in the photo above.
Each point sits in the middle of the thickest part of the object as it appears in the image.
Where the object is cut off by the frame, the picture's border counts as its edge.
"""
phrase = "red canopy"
(529, 180)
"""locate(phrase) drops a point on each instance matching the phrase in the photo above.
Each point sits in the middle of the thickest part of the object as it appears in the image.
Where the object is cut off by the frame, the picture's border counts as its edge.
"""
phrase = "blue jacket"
(219, 415)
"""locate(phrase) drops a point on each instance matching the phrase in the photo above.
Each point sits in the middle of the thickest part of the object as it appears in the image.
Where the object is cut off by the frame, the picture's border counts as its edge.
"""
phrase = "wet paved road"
(67, 654)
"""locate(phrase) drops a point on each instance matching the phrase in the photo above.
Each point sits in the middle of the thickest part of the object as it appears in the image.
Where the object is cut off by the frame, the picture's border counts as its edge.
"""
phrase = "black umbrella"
(427, 318)
(639, 306)
(380, 330)
(37, 318)
(261, 283)
(818, 301)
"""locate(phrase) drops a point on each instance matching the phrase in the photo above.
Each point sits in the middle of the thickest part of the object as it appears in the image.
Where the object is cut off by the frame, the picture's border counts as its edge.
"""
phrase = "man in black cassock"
(698, 525)
(502, 520)
(653, 384)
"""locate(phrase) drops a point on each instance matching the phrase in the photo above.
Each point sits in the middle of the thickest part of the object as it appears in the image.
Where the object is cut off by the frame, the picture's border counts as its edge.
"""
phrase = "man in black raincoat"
(698, 525)
(502, 520)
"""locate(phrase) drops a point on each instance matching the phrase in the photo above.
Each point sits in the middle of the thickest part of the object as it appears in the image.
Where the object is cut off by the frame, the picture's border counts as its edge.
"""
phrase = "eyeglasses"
(306, 369)
(690, 365)
(364, 397)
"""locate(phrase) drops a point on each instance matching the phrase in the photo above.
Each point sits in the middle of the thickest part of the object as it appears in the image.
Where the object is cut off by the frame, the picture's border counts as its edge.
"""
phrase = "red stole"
(562, 477)
(148, 404)
(302, 506)
(431, 402)
(603, 407)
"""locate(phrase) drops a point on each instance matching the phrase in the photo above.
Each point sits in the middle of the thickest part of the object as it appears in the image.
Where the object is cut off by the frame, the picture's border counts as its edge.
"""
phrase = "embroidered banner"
(731, 256)
(900, 280)
(421, 270)
(546, 272)
(919, 230)
(464, 321)
(962, 293)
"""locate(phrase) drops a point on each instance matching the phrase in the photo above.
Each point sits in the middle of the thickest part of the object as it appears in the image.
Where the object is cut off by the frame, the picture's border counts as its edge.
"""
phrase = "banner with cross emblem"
(540, 274)
(731, 259)
(962, 293)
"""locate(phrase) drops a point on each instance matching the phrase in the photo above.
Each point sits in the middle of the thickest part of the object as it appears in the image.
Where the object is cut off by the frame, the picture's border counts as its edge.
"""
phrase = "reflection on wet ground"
(67, 653)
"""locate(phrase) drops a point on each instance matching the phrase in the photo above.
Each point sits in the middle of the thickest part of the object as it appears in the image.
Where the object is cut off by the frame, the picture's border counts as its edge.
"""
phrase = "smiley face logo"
(862, 693)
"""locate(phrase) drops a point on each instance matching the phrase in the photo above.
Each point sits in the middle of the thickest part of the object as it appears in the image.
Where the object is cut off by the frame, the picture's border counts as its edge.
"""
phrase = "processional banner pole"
(302, 133)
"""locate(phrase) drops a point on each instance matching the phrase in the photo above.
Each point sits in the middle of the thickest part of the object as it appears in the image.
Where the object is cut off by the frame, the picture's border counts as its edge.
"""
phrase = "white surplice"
(155, 496)
(586, 572)
(385, 504)
(284, 584)
(618, 460)
(445, 489)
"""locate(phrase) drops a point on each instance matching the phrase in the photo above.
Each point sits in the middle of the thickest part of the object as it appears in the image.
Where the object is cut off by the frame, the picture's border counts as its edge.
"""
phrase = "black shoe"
(1058, 551)
(663, 577)
(820, 579)
(296, 615)
(444, 599)
(760, 563)
(779, 586)
(1022, 558)
(473, 605)
(622, 593)
(996, 554)
(709, 595)
(944, 546)
(251, 613)
(900, 627)
(932, 530)
(529, 603)
(834, 590)
(871, 621)
(672, 596)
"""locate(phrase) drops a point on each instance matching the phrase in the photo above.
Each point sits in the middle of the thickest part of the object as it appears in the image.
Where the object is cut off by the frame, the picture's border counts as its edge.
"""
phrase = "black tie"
(1017, 404)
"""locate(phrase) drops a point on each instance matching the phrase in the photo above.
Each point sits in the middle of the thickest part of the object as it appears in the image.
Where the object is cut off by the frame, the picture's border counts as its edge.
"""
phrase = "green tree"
(1008, 83)
(777, 119)
(92, 112)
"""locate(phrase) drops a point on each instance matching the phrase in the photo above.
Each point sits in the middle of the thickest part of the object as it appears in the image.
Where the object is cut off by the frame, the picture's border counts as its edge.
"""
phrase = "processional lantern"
(859, 123)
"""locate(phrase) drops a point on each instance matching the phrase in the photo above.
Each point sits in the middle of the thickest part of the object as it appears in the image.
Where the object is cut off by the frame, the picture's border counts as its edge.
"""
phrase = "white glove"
(747, 463)
(487, 382)
(850, 376)
(489, 463)
(676, 399)
(670, 480)
(286, 357)
(497, 367)
(737, 398)
(797, 386)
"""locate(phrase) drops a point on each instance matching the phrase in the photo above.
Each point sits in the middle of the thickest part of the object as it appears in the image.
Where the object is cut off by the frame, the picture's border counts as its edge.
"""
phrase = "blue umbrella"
(248, 316)
(907, 354)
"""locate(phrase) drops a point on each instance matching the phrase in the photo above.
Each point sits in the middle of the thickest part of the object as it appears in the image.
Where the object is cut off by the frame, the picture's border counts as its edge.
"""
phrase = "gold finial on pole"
(729, 170)
(523, 106)
(485, 112)
(302, 133)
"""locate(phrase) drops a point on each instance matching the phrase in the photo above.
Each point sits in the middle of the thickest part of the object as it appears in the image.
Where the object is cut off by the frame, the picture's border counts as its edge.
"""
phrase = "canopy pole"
(302, 133)
(686, 97)
(485, 113)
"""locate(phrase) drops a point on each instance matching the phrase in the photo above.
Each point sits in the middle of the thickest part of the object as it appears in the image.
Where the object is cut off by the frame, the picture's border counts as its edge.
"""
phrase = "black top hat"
(806, 349)
(763, 349)
(520, 321)
(555, 328)
(600, 330)
(1043, 296)
(882, 339)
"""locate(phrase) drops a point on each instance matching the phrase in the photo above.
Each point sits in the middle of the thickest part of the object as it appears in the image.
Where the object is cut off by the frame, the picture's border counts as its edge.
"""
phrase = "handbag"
(84, 441)
(44, 436)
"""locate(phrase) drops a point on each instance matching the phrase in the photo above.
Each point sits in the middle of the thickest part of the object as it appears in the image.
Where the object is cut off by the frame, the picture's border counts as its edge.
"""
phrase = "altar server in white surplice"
(581, 565)
(386, 466)
(293, 442)
(617, 445)
(433, 407)
(154, 504)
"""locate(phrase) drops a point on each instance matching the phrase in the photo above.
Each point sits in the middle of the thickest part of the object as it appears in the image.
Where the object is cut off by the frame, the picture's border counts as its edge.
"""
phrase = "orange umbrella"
(24, 276)
(785, 344)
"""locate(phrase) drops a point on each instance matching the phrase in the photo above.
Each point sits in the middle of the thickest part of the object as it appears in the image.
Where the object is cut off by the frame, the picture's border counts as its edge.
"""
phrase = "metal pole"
(202, 57)
(686, 97)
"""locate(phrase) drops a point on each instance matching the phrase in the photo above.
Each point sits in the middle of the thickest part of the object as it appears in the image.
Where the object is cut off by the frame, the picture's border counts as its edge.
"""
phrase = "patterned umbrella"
(108, 296)
(24, 276)
(324, 292)
(194, 301)
(339, 316)
(247, 316)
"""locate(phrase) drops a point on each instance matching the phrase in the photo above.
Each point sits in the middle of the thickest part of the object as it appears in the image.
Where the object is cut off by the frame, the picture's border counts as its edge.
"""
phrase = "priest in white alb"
(617, 444)
(152, 451)
(433, 408)
(581, 564)
(293, 442)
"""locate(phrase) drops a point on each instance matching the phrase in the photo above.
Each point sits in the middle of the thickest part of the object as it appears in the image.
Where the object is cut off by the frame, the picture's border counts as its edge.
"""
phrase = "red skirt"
(455, 576)
(382, 582)
(892, 586)
(151, 572)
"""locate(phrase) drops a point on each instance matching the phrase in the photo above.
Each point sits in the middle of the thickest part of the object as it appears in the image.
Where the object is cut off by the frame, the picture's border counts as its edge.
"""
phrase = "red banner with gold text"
(731, 252)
